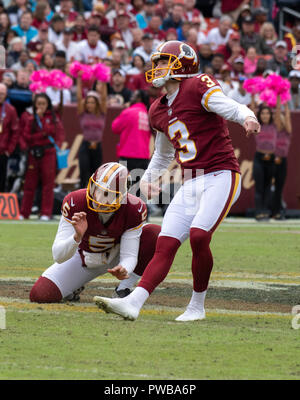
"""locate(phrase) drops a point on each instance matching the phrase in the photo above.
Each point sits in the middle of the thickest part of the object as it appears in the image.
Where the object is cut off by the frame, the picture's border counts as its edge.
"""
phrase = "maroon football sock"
(202, 261)
(45, 291)
(147, 247)
(159, 266)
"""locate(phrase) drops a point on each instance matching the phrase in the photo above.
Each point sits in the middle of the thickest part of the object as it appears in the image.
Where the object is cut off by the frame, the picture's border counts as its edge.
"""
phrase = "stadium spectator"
(245, 11)
(194, 14)
(217, 63)
(138, 64)
(183, 30)
(14, 50)
(19, 94)
(24, 29)
(120, 46)
(205, 55)
(154, 28)
(98, 19)
(219, 35)
(260, 67)
(68, 45)
(15, 10)
(40, 14)
(57, 26)
(115, 59)
(226, 81)
(175, 19)
(239, 94)
(91, 111)
(260, 16)
(133, 127)
(137, 35)
(31, 66)
(192, 39)
(233, 8)
(79, 29)
(22, 60)
(263, 164)
(4, 27)
(278, 63)
(171, 34)
(123, 27)
(144, 17)
(164, 8)
(294, 78)
(117, 87)
(60, 60)
(250, 61)
(283, 141)
(8, 78)
(146, 49)
(138, 81)
(249, 38)
(122, 7)
(237, 68)
(9, 134)
(198, 25)
(92, 49)
(232, 49)
(42, 156)
(36, 44)
(47, 62)
(137, 6)
(268, 33)
(66, 12)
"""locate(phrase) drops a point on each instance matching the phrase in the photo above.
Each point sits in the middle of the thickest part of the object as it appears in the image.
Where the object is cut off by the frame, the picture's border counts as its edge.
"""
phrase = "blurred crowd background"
(234, 40)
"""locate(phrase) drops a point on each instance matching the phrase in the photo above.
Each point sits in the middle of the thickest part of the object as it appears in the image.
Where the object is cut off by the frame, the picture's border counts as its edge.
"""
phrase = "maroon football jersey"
(100, 237)
(200, 138)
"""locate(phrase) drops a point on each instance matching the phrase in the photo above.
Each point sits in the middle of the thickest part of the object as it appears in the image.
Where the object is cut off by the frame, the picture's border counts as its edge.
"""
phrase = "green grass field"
(247, 334)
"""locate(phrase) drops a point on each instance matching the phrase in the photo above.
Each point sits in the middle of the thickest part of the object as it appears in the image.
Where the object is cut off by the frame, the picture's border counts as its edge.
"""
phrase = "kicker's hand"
(149, 190)
(119, 272)
(80, 225)
(252, 126)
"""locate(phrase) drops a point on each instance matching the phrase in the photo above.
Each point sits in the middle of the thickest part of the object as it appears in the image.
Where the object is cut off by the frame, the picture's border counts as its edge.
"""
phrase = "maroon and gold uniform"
(200, 138)
(102, 237)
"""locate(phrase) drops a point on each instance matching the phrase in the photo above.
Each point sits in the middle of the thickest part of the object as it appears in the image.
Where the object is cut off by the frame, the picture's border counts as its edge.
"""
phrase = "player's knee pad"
(199, 239)
(45, 291)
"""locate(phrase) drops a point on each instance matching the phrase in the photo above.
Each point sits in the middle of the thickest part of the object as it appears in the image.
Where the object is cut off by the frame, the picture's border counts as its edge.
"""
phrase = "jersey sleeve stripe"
(207, 95)
(68, 220)
(136, 227)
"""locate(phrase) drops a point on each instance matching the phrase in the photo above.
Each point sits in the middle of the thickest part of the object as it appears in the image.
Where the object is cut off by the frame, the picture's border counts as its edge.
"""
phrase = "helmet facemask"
(174, 64)
(182, 62)
(107, 188)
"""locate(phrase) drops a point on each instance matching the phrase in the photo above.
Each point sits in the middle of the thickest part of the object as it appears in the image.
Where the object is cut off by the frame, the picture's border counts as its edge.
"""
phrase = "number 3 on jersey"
(187, 151)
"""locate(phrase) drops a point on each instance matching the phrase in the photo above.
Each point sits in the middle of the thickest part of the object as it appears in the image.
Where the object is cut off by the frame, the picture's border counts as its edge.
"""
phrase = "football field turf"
(247, 334)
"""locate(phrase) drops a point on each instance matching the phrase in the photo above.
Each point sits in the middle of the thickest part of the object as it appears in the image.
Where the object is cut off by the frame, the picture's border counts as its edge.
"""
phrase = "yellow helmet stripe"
(110, 172)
